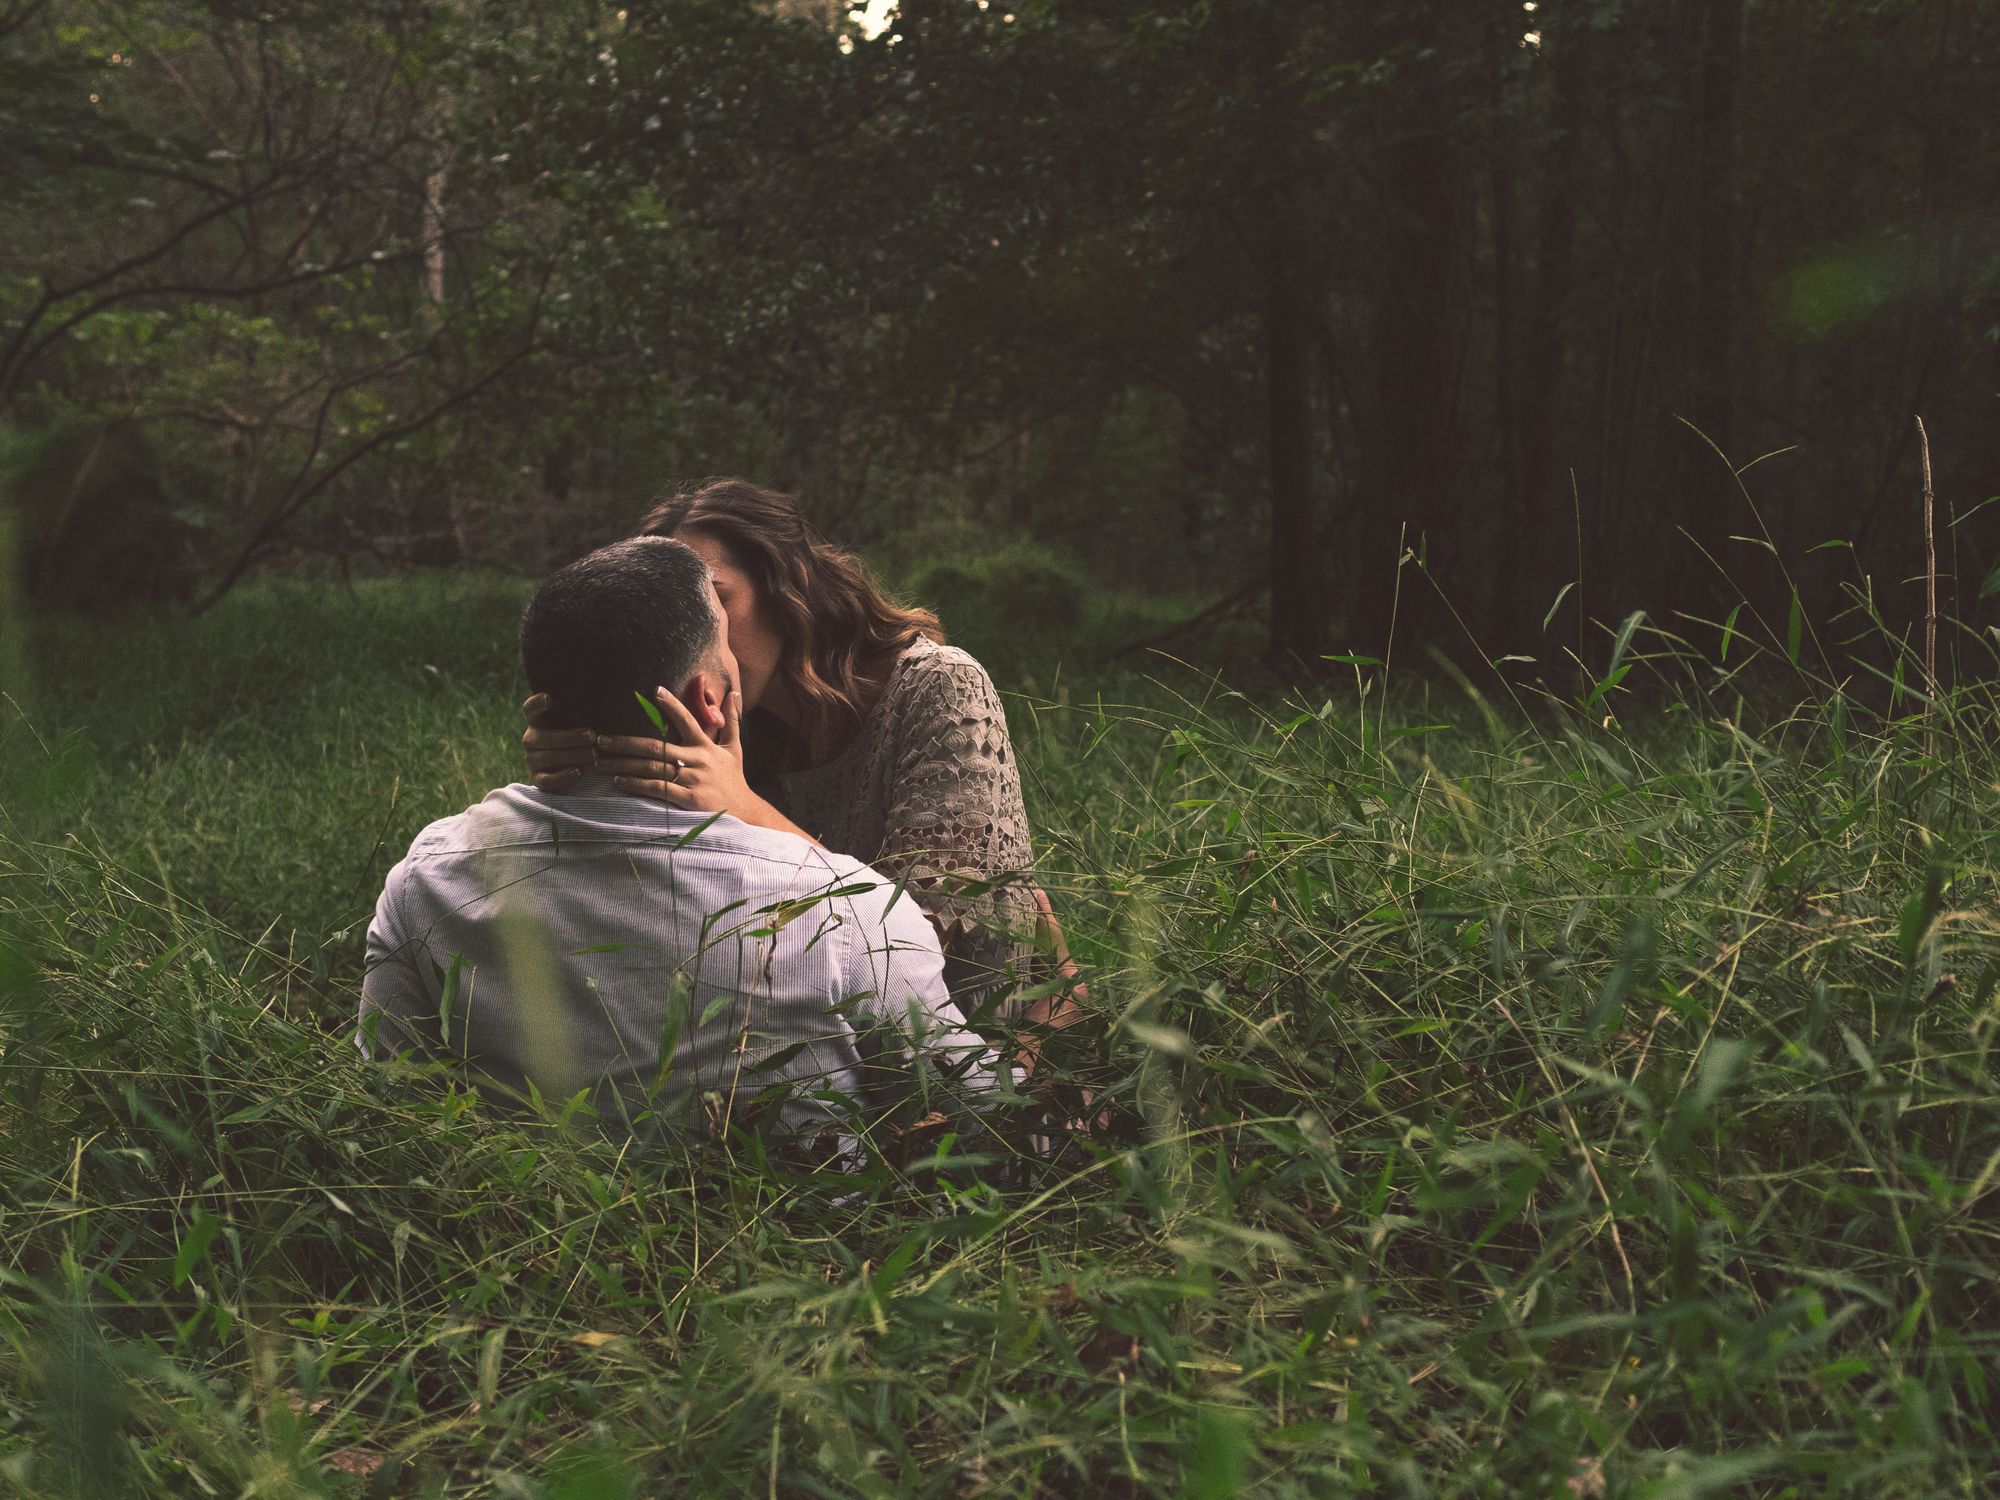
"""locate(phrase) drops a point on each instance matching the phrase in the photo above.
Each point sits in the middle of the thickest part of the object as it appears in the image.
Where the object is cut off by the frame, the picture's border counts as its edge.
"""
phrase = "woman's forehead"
(709, 549)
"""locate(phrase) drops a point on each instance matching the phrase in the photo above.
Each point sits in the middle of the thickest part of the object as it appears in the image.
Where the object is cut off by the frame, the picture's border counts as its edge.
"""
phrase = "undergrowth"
(1499, 1098)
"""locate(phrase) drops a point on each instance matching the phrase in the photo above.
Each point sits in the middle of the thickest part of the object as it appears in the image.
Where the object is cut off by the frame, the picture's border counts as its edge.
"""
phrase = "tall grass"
(1545, 1098)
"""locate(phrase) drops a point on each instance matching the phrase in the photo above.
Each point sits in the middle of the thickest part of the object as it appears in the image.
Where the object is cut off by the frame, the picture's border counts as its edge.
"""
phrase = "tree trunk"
(1507, 391)
(1718, 208)
(1418, 464)
(1536, 566)
(433, 236)
(1296, 615)
(432, 231)
(1297, 609)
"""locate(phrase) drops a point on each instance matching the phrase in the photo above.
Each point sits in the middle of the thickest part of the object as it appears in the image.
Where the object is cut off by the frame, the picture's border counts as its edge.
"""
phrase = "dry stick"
(1214, 612)
(1583, 1150)
(1389, 646)
(1930, 586)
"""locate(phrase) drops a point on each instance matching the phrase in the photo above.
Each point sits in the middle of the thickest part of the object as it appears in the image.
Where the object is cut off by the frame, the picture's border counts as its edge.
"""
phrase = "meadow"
(1579, 1093)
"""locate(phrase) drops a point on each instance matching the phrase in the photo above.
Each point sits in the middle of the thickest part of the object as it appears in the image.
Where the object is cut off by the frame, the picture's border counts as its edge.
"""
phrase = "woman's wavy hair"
(840, 633)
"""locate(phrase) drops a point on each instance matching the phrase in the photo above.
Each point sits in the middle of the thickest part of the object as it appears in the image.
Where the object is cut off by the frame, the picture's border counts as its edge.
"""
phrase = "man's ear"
(706, 692)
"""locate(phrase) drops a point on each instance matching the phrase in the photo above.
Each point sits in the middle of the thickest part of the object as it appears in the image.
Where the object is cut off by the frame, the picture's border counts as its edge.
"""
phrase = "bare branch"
(16, 17)
(298, 495)
(14, 366)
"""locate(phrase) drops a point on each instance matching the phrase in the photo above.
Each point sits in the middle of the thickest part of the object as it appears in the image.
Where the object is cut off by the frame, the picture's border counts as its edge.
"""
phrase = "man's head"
(624, 620)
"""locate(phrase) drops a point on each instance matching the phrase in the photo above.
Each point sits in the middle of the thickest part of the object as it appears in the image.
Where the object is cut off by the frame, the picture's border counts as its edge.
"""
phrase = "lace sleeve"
(955, 818)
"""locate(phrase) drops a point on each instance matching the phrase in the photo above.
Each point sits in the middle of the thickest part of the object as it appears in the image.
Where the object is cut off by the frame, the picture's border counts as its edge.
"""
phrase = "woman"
(856, 725)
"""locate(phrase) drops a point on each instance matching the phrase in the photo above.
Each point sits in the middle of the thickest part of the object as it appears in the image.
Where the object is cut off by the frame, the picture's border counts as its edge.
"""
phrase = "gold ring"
(679, 766)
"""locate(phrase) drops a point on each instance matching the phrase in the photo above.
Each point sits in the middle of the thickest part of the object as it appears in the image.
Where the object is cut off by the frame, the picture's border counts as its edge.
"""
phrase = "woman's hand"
(700, 773)
(1050, 1013)
(557, 758)
(1049, 937)
(1053, 1013)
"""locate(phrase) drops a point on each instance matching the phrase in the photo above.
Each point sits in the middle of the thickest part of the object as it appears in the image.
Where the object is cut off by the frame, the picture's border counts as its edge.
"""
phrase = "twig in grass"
(1220, 610)
(1576, 510)
(368, 864)
(15, 704)
(1389, 646)
(1583, 1149)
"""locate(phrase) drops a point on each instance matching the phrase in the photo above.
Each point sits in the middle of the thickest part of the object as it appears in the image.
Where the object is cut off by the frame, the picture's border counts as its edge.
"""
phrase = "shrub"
(1008, 607)
(101, 530)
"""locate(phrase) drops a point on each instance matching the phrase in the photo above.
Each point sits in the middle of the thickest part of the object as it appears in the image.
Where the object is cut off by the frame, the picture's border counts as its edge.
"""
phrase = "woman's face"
(753, 627)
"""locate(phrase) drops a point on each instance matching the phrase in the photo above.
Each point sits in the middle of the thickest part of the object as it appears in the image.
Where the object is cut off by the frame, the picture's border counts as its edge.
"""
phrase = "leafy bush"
(100, 529)
(1014, 607)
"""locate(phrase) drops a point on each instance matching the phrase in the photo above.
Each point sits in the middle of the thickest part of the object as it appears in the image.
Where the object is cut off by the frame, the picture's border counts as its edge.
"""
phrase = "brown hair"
(841, 634)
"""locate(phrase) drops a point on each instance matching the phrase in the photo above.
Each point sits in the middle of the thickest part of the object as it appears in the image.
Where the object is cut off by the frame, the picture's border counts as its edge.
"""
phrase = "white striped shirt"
(593, 941)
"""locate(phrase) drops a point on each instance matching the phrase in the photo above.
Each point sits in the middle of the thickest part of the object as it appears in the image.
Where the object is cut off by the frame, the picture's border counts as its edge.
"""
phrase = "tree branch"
(1220, 610)
(297, 498)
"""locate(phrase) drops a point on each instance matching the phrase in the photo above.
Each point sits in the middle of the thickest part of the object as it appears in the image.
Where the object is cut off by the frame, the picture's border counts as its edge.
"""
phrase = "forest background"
(1573, 1079)
(1269, 301)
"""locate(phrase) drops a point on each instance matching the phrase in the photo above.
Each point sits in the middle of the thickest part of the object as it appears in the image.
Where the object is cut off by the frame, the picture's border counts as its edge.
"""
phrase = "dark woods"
(1433, 313)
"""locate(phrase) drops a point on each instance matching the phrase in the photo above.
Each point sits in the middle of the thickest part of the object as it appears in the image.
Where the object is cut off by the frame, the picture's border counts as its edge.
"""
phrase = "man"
(593, 941)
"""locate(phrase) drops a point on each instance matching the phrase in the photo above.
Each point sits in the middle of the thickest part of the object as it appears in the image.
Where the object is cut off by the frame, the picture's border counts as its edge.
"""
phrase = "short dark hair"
(626, 619)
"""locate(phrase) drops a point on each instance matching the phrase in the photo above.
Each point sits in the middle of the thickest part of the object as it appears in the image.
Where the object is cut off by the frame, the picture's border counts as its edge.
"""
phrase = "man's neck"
(592, 783)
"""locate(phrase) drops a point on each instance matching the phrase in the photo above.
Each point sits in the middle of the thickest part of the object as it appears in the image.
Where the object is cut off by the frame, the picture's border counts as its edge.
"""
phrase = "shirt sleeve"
(399, 998)
(910, 1033)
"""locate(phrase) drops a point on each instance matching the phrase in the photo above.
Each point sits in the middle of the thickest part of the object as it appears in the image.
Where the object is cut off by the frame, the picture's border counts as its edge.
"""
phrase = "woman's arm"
(953, 812)
(955, 818)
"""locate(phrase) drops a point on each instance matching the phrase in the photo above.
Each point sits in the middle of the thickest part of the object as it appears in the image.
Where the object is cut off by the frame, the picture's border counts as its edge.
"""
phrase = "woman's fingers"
(651, 767)
(556, 757)
(638, 747)
(633, 755)
(675, 712)
(670, 792)
(687, 769)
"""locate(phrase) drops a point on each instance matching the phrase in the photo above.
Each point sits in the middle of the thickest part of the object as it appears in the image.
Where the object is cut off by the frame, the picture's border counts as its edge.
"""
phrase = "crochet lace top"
(929, 792)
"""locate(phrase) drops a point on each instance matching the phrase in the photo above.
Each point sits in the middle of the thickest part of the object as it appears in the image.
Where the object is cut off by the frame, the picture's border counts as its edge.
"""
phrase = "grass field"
(1504, 1099)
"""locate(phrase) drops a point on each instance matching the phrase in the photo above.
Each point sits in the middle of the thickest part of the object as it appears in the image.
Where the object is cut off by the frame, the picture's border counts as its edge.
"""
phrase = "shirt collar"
(595, 797)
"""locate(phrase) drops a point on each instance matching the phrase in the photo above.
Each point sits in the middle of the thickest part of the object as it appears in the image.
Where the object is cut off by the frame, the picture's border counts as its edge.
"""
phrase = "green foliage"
(436, 282)
(1021, 589)
(233, 261)
(1495, 1103)
(96, 523)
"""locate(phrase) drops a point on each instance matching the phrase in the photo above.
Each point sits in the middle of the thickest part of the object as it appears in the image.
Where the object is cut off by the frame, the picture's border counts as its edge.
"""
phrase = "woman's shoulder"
(930, 686)
(931, 673)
